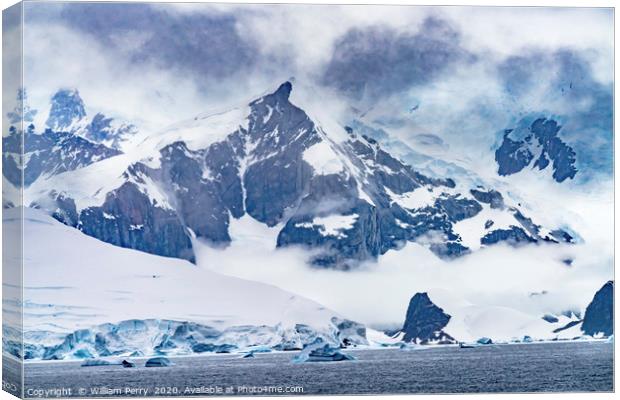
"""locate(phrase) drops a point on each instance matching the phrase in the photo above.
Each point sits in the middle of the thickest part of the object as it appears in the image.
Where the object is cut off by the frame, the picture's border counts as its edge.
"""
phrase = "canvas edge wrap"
(12, 235)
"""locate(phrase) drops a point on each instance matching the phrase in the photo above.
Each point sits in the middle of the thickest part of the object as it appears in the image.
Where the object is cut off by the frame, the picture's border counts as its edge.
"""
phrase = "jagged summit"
(284, 90)
(70, 140)
(68, 114)
(67, 108)
(281, 94)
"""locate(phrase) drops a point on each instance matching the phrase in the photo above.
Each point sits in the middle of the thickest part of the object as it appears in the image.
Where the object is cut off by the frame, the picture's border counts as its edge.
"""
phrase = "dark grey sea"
(538, 367)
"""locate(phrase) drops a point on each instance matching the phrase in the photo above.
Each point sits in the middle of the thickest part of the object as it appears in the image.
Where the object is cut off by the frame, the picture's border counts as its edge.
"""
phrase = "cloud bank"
(466, 72)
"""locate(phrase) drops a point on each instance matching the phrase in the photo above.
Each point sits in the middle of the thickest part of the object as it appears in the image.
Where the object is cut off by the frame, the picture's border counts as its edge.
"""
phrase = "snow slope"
(72, 281)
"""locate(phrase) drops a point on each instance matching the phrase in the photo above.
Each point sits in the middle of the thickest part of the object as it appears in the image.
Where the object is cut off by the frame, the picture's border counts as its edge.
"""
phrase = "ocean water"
(537, 367)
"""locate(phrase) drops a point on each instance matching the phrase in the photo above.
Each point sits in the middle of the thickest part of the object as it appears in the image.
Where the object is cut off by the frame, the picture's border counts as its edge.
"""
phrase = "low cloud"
(378, 293)
(379, 61)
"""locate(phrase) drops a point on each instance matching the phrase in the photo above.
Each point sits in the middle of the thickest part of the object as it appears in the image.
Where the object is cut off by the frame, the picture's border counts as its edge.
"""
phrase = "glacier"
(75, 285)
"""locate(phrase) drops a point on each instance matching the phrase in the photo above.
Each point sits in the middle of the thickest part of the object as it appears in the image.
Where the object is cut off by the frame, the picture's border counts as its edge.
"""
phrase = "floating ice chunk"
(158, 362)
(484, 340)
(319, 351)
(95, 363)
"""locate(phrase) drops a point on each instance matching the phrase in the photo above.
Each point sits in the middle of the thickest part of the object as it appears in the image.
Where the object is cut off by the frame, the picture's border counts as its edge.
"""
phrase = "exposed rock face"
(69, 142)
(491, 197)
(347, 200)
(424, 321)
(49, 153)
(514, 236)
(281, 133)
(539, 146)
(129, 219)
(599, 316)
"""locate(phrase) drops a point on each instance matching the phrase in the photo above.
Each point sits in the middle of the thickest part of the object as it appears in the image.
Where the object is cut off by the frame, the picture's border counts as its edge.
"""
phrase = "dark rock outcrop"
(567, 326)
(552, 319)
(424, 321)
(599, 316)
(539, 145)
(514, 236)
(491, 197)
(129, 219)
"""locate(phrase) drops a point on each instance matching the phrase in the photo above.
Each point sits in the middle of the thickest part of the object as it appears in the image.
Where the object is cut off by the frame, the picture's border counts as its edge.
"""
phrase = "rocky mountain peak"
(66, 107)
(349, 201)
(284, 91)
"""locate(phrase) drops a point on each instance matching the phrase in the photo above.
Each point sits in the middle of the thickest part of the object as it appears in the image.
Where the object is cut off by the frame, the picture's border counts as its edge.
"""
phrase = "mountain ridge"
(350, 199)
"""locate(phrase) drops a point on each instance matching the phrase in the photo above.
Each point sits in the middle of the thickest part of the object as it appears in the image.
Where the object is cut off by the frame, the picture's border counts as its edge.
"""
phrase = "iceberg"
(158, 362)
(95, 363)
(319, 351)
(484, 340)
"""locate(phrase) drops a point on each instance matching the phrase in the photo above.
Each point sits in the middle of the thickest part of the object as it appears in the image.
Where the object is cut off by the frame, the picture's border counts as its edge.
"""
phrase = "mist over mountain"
(338, 193)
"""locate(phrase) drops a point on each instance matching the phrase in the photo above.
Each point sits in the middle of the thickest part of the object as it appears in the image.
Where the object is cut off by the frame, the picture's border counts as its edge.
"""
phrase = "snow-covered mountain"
(334, 190)
(69, 141)
(47, 154)
(68, 114)
(330, 188)
(84, 298)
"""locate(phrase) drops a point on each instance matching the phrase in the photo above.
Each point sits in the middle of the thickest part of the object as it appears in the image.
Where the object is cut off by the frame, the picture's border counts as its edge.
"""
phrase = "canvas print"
(275, 199)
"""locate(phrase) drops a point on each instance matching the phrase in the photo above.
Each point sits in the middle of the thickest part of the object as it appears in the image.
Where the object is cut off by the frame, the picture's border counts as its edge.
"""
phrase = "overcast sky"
(470, 71)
